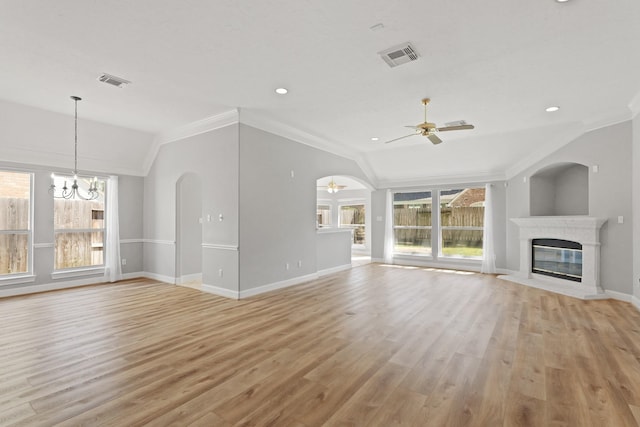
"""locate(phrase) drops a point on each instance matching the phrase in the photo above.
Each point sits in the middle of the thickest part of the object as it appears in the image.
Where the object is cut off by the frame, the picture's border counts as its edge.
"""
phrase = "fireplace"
(579, 258)
(557, 258)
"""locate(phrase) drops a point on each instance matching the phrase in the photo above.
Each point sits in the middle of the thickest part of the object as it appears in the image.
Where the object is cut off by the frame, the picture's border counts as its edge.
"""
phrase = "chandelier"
(74, 192)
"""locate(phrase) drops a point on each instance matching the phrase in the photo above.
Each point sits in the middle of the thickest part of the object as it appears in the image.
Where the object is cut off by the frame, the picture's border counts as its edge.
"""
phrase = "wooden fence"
(72, 249)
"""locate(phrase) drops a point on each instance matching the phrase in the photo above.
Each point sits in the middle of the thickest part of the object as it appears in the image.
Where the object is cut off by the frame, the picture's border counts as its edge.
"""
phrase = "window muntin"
(323, 215)
(462, 222)
(79, 228)
(15, 223)
(412, 223)
(352, 216)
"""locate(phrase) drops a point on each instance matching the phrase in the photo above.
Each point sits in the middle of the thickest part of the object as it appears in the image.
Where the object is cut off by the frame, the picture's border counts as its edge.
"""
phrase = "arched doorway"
(344, 202)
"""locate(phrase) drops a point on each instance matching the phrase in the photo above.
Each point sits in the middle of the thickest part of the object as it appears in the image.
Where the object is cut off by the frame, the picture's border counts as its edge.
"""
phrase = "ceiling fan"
(430, 129)
(332, 187)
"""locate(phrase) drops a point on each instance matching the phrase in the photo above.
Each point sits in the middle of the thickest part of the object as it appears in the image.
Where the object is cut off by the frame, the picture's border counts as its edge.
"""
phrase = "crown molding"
(198, 127)
(364, 164)
(441, 180)
(270, 125)
(620, 116)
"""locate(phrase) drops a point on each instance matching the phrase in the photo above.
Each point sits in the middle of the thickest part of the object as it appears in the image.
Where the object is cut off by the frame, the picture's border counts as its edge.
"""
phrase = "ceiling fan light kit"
(430, 129)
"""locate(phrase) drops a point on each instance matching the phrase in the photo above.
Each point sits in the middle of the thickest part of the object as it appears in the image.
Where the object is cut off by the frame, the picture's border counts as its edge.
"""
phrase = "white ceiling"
(496, 64)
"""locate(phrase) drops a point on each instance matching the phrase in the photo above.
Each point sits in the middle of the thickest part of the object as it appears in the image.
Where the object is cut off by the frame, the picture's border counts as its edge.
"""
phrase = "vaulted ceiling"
(497, 64)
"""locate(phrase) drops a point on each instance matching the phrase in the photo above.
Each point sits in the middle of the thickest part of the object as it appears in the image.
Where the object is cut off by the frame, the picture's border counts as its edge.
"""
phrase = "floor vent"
(399, 55)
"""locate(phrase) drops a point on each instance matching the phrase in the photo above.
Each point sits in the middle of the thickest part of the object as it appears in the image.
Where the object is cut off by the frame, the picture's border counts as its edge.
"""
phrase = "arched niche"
(560, 189)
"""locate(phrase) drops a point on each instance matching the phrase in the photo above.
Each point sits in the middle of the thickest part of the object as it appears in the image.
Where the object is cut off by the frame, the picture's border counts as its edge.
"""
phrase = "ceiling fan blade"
(458, 127)
(402, 137)
(434, 139)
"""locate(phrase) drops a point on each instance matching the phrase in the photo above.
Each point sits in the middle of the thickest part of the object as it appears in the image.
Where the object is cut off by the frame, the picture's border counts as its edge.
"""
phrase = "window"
(323, 216)
(461, 222)
(352, 216)
(412, 223)
(15, 223)
(79, 228)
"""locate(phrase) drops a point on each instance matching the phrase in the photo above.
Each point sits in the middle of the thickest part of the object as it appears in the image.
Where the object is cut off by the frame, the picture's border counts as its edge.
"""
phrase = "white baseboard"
(188, 278)
(277, 285)
(332, 270)
(160, 277)
(380, 260)
(135, 275)
(618, 295)
(222, 292)
(636, 302)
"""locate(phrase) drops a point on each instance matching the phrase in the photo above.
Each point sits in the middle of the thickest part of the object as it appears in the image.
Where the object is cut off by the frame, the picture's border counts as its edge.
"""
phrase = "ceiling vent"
(399, 55)
(113, 80)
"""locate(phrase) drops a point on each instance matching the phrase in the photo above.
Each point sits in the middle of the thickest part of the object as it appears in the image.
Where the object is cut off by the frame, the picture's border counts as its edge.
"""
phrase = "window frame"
(27, 276)
(413, 227)
(328, 204)
(354, 202)
(442, 228)
(61, 273)
(436, 228)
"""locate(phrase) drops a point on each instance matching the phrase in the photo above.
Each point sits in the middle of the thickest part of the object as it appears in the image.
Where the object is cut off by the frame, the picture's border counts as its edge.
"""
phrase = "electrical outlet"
(220, 273)
(286, 266)
(299, 263)
(124, 261)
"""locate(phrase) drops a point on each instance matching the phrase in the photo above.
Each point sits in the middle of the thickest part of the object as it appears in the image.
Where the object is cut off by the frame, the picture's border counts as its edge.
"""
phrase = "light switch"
(620, 219)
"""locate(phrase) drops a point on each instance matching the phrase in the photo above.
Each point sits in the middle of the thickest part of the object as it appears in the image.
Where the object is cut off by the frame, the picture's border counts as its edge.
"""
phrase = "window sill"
(15, 279)
(65, 274)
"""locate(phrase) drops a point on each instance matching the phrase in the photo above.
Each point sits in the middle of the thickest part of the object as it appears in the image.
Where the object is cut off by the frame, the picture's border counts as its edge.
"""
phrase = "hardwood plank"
(374, 345)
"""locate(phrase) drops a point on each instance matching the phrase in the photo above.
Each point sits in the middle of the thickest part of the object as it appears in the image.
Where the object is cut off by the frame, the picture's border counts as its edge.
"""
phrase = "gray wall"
(130, 200)
(213, 156)
(278, 211)
(609, 197)
(189, 233)
(636, 207)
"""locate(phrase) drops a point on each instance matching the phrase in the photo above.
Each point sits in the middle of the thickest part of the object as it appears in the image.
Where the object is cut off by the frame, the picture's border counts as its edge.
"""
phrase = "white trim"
(54, 286)
(278, 285)
(621, 116)
(127, 241)
(222, 292)
(332, 270)
(634, 105)
(439, 181)
(221, 247)
(198, 127)
(160, 277)
(15, 279)
(159, 242)
(188, 278)
(620, 296)
(636, 302)
(253, 119)
(461, 264)
(377, 260)
(366, 168)
(134, 275)
(79, 272)
(42, 245)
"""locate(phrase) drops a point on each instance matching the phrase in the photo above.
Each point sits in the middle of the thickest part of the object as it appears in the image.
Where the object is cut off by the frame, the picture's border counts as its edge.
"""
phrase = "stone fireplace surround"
(582, 229)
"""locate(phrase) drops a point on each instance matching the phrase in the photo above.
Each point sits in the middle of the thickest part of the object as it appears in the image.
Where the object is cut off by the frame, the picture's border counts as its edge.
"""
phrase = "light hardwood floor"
(372, 346)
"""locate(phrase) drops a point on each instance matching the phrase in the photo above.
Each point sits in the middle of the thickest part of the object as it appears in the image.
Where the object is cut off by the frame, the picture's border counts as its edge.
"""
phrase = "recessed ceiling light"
(375, 138)
(281, 91)
(552, 109)
(561, 1)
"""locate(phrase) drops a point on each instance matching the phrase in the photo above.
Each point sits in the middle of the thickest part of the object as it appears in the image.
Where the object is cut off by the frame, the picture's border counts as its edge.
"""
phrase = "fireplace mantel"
(582, 229)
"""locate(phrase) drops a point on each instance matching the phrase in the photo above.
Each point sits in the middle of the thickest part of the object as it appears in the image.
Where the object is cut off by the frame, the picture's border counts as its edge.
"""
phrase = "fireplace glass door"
(557, 258)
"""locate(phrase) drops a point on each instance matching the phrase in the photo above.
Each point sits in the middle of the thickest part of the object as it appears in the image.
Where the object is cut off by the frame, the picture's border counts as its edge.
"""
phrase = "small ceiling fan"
(430, 129)
(332, 187)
